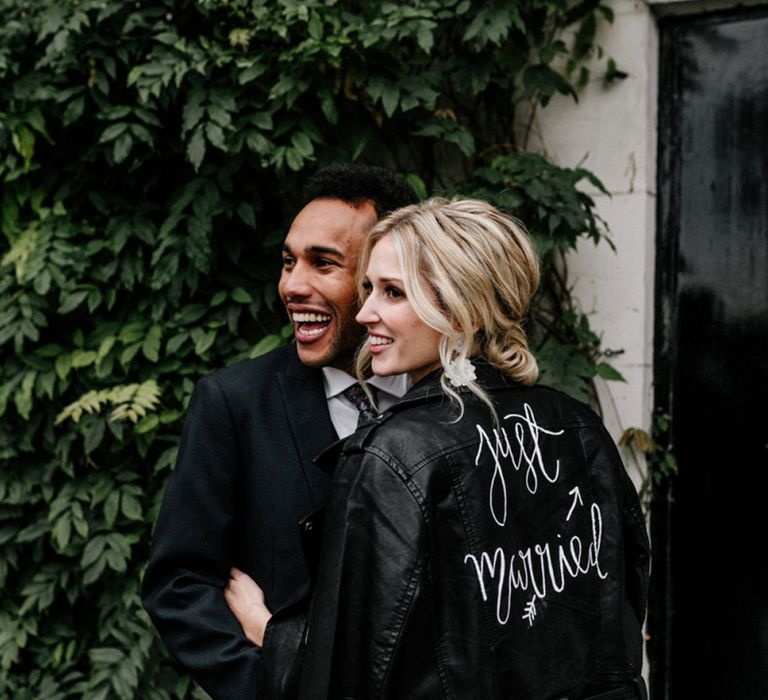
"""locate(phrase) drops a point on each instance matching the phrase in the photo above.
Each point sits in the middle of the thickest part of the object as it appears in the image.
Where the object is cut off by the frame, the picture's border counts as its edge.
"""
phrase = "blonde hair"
(469, 272)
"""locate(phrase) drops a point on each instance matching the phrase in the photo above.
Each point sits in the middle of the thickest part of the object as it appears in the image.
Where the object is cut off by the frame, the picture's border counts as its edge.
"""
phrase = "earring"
(460, 372)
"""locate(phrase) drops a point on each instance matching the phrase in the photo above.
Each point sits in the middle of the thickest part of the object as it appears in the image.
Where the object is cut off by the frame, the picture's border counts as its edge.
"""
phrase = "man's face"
(317, 284)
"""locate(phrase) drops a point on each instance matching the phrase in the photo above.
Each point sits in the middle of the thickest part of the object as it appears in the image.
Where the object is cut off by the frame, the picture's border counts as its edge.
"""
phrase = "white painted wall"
(612, 132)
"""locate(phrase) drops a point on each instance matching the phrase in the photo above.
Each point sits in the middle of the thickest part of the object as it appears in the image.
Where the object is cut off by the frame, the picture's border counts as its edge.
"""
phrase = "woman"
(482, 539)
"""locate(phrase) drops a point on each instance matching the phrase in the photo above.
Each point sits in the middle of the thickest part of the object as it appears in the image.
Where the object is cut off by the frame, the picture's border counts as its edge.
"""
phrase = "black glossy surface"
(713, 358)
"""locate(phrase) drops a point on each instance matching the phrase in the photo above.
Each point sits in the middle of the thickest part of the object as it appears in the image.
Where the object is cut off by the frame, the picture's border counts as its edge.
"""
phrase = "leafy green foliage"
(657, 449)
(150, 157)
(132, 400)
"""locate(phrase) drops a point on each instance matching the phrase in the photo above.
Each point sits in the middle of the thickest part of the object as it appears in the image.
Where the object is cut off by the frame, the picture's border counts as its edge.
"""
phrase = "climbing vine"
(151, 153)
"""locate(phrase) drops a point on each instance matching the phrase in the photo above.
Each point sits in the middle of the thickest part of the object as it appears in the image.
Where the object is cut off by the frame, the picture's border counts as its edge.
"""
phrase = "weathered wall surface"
(612, 131)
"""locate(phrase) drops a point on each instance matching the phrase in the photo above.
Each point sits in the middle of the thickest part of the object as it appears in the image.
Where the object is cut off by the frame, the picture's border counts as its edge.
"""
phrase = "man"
(244, 476)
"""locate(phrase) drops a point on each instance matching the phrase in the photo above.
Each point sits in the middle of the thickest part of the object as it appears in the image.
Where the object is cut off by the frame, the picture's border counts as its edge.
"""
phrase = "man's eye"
(324, 262)
(287, 261)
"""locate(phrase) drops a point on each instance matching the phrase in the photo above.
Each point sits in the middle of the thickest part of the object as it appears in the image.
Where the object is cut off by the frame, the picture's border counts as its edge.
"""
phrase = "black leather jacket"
(473, 560)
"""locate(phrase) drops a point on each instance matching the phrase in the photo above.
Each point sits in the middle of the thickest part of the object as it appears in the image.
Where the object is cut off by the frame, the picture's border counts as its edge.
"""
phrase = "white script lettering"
(541, 567)
(518, 455)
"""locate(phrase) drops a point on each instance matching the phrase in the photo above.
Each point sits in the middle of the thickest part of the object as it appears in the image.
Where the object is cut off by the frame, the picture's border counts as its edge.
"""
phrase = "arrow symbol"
(576, 499)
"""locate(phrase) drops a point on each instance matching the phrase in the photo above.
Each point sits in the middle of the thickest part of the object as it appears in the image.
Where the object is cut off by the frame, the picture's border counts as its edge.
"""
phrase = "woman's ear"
(456, 327)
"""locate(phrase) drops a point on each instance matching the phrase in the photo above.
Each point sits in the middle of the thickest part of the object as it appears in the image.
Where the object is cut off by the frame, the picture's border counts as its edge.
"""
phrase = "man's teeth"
(312, 331)
(310, 318)
(377, 340)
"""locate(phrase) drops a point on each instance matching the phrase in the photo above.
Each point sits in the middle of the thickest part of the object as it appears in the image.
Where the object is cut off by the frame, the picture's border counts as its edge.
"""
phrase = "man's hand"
(246, 600)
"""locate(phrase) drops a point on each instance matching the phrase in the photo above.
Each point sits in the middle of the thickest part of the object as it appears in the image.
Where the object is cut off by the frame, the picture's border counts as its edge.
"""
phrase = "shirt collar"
(336, 380)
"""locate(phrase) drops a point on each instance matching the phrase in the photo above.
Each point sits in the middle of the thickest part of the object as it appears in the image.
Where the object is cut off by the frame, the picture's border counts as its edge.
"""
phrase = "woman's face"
(398, 339)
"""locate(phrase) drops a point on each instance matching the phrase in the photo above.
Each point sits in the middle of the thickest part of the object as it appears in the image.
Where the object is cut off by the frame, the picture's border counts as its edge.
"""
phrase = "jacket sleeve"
(625, 551)
(637, 548)
(283, 652)
(191, 554)
(370, 575)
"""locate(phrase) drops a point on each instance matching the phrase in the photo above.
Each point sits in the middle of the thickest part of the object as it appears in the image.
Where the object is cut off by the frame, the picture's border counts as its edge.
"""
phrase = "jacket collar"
(425, 391)
(430, 388)
(296, 369)
(307, 413)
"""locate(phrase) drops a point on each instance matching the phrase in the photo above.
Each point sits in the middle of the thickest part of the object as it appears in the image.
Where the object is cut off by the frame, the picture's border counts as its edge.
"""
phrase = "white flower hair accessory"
(461, 372)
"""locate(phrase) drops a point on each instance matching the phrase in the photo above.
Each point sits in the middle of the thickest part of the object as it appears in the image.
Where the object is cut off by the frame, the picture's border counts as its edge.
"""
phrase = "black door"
(709, 616)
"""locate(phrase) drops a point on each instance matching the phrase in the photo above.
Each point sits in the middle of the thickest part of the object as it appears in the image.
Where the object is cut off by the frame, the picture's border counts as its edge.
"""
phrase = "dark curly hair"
(355, 184)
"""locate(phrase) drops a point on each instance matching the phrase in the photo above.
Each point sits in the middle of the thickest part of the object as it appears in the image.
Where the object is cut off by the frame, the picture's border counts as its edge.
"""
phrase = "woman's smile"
(399, 341)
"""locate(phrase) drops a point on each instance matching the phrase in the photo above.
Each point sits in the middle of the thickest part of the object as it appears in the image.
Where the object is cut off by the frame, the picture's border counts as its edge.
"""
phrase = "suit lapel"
(310, 423)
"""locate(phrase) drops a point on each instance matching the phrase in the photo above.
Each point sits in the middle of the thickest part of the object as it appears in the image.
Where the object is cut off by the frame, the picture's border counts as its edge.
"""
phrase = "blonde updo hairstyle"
(469, 272)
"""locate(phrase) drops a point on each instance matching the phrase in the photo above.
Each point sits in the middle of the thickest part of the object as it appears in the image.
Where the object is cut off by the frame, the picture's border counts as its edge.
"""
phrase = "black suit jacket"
(243, 480)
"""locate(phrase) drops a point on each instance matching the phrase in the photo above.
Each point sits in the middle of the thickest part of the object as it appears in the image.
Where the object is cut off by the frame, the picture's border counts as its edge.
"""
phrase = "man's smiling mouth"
(309, 325)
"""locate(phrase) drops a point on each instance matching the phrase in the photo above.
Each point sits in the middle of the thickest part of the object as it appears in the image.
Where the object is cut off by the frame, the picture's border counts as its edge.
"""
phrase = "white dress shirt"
(343, 412)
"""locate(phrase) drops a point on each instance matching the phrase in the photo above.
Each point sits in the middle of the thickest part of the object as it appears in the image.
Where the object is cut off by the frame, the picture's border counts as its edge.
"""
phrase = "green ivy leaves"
(151, 156)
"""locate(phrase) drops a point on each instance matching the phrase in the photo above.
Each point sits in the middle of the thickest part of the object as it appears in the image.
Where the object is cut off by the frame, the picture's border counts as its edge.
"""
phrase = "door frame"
(661, 602)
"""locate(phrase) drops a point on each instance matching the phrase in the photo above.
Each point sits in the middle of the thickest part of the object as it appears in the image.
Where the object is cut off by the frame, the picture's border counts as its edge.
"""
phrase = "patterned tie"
(357, 396)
